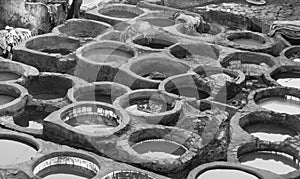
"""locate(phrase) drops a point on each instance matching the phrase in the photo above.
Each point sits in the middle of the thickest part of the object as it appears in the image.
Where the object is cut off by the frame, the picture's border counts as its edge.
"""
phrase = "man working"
(74, 11)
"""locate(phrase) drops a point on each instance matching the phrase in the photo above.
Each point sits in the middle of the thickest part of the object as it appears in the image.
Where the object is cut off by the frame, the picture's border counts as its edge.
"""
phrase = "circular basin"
(48, 44)
(187, 51)
(12, 97)
(46, 54)
(214, 30)
(270, 131)
(226, 82)
(66, 165)
(246, 38)
(159, 148)
(106, 52)
(15, 150)
(288, 76)
(292, 53)
(8, 76)
(160, 22)
(156, 42)
(78, 28)
(148, 71)
(99, 91)
(226, 174)
(127, 174)
(252, 64)
(286, 104)
(156, 107)
(93, 117)
(278, 163)
(51, 86)
(188, 86)
(11, 71)
(121, 11)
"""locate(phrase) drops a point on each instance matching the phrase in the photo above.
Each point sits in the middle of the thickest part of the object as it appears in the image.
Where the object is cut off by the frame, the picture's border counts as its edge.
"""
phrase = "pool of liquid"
(290, 82)
(160, 22)
(250, 42)
(269, 132)
(95, 97)
(127, 175)
(277, 163)
(47, 96)
(119, 14)
(6, 76)
(5, 99)
(57, 51)
(159, 149)
(280, 105)
(190, 92)
(226, 174)
(33, 120)
(93, 123)
(153, 44)
(14, 152)
(106, 55)
(64, 176)
(152, 106)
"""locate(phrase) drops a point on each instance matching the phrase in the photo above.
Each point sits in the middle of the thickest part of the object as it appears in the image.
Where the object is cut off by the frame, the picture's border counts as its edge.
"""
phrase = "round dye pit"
(78, 28)
(107, 52)
(191, 92)
(278, 163)
(289, 82)
(252, 64)
(157, 42)
(288, 76)
(92, 117)
(186, 86)
(289, 105)
(270, 132)
(106, 55)
(7, 76)
(127, 175)
(48, 44)
(246, 38)
(160, 22)
(99, 91)
(292, 53)
(66, 167)
(189, 52)
(51, 86)
(5, 98)
(226, 174)
(119, 13)
(94, 122)
(15, 152)
(159, 148)
(149, 70)
(152, 106)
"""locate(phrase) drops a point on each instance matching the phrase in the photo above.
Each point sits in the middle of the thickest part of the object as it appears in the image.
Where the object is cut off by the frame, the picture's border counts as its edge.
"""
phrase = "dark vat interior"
(155, 42)
(107, 54)
(48, 87)
(7, 75)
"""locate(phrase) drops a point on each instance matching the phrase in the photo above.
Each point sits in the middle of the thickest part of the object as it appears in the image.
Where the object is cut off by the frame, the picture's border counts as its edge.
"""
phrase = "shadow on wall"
(33, 16)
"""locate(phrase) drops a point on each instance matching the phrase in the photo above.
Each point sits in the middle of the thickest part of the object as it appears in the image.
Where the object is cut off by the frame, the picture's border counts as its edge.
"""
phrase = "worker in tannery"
(74, 11)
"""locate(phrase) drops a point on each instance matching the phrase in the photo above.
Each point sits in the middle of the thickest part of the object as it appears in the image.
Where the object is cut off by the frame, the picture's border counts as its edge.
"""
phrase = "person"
(74, 11)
